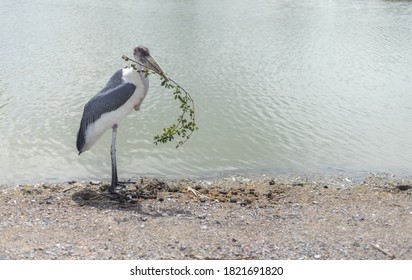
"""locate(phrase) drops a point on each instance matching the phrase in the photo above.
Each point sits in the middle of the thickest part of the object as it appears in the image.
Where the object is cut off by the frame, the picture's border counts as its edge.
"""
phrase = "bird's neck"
(133, 76)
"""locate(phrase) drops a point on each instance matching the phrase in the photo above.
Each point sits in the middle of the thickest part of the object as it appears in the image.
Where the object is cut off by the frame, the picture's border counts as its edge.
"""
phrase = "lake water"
(307, 87)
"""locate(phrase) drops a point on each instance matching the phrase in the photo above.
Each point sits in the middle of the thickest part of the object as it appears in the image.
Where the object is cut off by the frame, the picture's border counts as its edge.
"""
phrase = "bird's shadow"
(129, 200)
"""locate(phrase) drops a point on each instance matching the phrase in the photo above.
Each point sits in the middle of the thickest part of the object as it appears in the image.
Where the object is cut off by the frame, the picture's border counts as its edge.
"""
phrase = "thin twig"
(184, 100)
(170, 79)
(196, 193)
(392, 256)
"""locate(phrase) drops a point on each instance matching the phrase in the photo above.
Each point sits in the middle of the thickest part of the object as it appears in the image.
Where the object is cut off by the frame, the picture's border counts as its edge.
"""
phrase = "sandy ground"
(229, 218)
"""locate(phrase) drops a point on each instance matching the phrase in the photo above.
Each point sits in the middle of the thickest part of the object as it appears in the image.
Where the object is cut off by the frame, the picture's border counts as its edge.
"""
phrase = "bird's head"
(143, 56)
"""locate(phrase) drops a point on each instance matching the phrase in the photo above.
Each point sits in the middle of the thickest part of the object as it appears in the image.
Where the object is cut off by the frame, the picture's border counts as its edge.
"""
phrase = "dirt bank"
(230, 218)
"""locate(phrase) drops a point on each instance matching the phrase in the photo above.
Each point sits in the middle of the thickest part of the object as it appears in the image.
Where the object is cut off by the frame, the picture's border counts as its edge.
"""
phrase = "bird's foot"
(120, 187)
(117, 188)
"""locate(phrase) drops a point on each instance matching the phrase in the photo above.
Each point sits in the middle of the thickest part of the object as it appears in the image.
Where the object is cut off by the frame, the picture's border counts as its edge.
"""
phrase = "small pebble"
(404, 187)
(202, 216)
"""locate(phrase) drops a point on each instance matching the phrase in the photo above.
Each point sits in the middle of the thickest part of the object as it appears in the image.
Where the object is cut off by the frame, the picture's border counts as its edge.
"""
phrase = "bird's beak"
(152, 64)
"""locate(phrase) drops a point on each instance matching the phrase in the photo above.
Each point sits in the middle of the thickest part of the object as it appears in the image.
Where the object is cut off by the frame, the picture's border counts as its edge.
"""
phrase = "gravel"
(276, 217)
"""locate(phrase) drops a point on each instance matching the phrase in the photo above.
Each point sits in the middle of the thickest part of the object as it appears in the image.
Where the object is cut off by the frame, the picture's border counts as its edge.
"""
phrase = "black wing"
(111, 97)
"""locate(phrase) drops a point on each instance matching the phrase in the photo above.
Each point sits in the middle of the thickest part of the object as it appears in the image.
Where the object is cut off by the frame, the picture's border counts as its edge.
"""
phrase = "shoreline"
(353, 177)
(237, 217)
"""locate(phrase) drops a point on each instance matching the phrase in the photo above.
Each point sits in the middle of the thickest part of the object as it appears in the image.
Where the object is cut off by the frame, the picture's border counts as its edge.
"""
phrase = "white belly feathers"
(107, 120)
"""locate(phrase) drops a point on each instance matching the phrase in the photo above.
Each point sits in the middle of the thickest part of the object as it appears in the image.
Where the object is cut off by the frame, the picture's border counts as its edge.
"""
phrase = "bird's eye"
(143, 52)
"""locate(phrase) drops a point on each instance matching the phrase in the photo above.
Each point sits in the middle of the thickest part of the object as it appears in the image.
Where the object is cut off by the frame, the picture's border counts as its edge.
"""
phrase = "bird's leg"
(115, 181)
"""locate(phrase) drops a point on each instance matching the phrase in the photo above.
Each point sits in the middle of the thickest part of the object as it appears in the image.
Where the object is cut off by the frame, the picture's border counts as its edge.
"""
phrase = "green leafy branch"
(185, 124)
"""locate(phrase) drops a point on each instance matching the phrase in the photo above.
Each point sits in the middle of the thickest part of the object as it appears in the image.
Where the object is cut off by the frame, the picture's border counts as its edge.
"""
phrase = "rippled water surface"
(281, 86)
